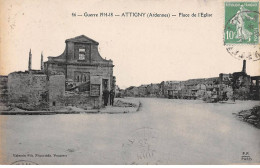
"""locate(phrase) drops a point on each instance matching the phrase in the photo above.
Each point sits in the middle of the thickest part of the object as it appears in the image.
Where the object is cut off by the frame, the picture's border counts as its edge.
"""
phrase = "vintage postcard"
(142, 82)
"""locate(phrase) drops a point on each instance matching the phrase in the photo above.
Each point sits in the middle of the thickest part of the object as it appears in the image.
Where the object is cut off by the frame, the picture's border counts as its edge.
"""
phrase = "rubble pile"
(251, 116)
(120, 103)
(4, 107)
(30, 106)
(70, 109)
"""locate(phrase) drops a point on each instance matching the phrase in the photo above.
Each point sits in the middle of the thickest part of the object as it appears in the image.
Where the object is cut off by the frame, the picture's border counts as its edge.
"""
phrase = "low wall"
(27, 91)
(81, 100)
(30, 91)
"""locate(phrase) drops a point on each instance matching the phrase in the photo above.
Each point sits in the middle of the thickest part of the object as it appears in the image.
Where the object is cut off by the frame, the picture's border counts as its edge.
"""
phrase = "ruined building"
(237, 85)
(86, 72)
(34, 90)
(77, 77)
(239, 82)
(81, 63)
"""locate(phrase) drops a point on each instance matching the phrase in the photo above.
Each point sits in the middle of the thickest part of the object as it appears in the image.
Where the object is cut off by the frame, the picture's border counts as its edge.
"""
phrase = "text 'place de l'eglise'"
(79, 77)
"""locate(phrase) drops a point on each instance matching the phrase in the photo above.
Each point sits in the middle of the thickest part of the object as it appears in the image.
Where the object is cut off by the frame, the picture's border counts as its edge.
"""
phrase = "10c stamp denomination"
(241, 33)
(241, 20)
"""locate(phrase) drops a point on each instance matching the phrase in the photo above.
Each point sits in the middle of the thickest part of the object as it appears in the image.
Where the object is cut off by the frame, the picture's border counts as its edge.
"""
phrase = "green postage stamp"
(241, 23)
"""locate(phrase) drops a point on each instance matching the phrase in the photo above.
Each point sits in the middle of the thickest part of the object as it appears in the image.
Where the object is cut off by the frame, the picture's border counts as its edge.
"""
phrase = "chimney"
(244, 66)
(42, 68)
(30, 61)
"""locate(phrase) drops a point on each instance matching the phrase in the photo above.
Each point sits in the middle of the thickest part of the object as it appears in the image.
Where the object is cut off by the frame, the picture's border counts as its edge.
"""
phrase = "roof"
(255, 77)
(82, 39)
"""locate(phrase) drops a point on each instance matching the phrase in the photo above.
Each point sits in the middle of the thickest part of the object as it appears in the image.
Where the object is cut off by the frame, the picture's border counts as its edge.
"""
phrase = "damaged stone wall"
(35, 92)
(56, 90)
(81, 100)
(93, 70)
(28, 91)
(241, 86)
(59, 68)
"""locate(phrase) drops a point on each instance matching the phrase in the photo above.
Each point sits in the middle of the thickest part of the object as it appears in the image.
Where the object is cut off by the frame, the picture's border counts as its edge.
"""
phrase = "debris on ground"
(120, 103)
(251, 116)
(9, 108)
(70, 109)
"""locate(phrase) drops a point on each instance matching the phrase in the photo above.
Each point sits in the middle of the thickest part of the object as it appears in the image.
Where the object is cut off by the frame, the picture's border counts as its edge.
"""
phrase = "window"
(85, 77)
(81, 56)
(254, 82)
(82, 50)
(81, 53)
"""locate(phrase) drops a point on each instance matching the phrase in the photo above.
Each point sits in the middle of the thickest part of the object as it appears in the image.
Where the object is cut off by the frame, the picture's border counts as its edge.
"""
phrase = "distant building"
(254, 89)
(142, 91)
(241, 83)
(117, 91)
(153, 90)
(237, 85)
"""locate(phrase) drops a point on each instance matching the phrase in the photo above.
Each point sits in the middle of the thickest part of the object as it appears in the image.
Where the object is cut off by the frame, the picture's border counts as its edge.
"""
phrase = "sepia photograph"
(141, 82)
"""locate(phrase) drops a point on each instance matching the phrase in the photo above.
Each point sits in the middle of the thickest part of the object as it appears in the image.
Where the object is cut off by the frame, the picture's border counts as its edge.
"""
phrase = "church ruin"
(77, 77)
(83, 67)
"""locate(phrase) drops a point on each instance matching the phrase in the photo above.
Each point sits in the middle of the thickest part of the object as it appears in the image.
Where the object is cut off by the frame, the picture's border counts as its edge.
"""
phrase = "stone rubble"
(251, 116)
(120, 106)
(120, 103)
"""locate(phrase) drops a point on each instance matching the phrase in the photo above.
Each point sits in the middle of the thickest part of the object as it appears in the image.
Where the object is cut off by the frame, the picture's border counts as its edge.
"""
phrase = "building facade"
(81, 63)
(84, 69)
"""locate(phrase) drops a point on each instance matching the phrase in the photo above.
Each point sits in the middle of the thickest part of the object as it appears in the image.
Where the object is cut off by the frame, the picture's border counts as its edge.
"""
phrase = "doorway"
(104, 84)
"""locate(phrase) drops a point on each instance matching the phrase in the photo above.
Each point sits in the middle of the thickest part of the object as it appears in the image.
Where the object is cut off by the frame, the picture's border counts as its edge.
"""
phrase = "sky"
(143, 50)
